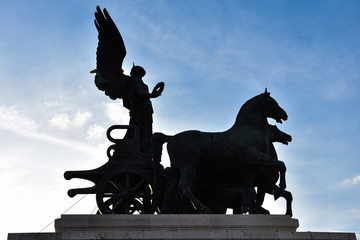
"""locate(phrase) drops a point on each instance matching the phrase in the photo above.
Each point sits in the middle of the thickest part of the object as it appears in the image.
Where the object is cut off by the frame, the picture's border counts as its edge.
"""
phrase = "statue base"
(179, 227)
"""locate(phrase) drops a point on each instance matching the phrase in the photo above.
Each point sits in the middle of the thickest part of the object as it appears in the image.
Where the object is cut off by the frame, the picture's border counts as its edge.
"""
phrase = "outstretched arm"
(139, 89)
(141, 92)
(158, 89)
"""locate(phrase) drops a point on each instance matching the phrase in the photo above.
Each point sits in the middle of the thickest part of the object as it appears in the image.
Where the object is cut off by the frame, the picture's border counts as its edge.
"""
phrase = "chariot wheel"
(126, 190)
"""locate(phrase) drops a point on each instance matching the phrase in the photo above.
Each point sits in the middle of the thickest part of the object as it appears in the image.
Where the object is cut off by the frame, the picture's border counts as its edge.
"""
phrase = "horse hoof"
(264, 211)
(253, 211)
(245, 210)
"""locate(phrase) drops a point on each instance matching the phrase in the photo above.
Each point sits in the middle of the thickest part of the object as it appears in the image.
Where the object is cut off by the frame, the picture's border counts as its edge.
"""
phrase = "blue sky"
(213, 56)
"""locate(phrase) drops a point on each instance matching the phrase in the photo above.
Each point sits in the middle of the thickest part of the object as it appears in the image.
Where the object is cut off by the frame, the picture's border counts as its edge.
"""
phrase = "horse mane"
(246, 104)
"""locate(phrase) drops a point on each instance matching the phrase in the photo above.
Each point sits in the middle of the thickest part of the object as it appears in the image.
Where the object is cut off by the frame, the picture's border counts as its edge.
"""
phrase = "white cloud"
(82, 117)
(117, 113)
(95, 132)
(356, 212)
(61, 120)
(64, 121)
(82, 91)
(13, 120)
(354, 181)
(52, 104)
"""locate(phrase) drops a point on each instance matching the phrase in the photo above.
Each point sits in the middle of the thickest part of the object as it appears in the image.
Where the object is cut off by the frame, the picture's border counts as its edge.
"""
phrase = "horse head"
(272, 108)
(263, 104)
(279, 136)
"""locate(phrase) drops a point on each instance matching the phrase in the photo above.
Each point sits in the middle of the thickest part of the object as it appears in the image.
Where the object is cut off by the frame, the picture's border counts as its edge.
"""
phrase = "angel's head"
(137, 71)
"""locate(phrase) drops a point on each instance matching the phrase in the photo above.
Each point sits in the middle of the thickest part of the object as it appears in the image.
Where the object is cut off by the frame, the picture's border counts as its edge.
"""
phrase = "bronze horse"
(266, 177)
(245, 143)
(228, 190)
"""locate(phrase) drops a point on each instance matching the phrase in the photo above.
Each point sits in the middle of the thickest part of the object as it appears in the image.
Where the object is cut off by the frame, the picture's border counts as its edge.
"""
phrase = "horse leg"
(171, 197)
(237, 207)
(282, 183)
(260, 196)
(248, 200)
(185, 186)
(288, 197)
(248, 192)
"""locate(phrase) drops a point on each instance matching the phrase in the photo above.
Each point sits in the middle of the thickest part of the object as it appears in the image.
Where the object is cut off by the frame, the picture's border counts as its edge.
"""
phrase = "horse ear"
(266, 92)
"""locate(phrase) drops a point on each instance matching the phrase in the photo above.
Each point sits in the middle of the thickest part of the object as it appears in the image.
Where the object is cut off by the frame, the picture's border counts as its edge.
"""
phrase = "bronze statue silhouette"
(228, 190)
(111, 79)
(133, 180)
(266, 177)
(245, 144)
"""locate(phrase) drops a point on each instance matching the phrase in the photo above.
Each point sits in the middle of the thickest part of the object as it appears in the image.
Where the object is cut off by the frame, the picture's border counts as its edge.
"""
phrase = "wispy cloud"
(13, 120)
(95, 132)
(61, 120)
(356, 212)
(64, 121)
(117, 113)
(352, 181)
(82, 117)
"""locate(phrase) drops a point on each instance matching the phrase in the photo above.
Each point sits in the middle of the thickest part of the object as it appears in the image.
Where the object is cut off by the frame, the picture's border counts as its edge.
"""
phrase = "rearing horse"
(227, 190)
(246, 142)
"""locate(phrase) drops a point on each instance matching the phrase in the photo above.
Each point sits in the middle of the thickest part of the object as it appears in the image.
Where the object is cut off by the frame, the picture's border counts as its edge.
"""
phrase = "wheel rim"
(126, 191)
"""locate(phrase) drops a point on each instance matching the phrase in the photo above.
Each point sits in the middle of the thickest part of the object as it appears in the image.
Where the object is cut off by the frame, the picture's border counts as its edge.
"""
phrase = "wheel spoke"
(144, 195)
(116, 185)
(138, 206)
(141, 182)
(126, 192)
(113, 195)
(117, 205)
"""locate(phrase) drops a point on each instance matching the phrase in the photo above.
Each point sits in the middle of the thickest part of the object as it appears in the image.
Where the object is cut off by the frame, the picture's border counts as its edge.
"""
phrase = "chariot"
(129, 183)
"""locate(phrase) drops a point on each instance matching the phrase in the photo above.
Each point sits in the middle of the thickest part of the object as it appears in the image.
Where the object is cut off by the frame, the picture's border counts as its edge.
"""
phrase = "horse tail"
(158, 140)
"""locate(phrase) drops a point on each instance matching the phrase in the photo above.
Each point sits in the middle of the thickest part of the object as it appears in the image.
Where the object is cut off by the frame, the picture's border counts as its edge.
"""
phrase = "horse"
(225, 195)
(243, 144)
(266, 178)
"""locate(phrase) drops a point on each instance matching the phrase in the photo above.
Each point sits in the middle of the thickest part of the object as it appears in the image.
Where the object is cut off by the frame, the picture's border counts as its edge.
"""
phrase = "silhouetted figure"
(141, 109)
(131, 89)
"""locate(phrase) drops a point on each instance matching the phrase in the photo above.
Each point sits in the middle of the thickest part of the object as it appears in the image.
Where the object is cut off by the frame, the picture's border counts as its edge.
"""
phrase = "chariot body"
(128, 183)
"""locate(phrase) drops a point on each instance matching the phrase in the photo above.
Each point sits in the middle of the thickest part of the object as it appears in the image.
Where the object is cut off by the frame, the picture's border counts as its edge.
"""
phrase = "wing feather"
(110, 55)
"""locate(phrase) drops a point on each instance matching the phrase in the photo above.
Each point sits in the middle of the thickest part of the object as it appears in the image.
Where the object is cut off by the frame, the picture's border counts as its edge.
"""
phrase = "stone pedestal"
(179, 227)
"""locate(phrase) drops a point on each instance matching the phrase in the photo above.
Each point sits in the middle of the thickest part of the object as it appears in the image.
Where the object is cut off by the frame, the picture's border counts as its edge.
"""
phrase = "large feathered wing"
(110, 55)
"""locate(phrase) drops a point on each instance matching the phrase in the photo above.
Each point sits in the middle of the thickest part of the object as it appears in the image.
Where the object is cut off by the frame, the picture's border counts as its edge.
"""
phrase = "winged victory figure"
(111, 79)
